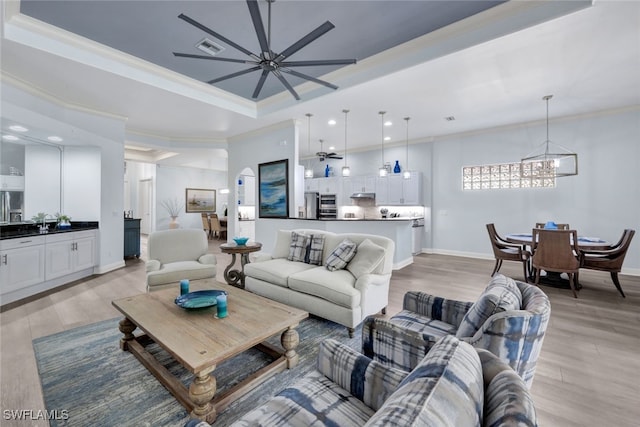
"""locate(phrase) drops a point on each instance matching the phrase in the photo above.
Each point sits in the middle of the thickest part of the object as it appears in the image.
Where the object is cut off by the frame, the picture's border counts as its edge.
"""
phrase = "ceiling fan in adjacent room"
(268, 61)
(323, 155)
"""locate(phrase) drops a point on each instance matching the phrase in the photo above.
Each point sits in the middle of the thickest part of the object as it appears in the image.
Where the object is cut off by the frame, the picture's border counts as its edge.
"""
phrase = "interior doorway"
(145, 193)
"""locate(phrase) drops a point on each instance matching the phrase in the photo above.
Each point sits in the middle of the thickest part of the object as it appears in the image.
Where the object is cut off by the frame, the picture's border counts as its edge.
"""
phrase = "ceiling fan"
(268, 61)
(324, 155)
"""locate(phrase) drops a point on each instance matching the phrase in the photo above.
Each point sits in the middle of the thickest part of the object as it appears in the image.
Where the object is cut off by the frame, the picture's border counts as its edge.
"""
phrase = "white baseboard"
(101, 269)
(476, 255)
(403, 263)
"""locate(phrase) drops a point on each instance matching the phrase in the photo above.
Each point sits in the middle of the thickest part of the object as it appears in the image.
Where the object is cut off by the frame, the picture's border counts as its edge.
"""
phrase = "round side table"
(234, 276)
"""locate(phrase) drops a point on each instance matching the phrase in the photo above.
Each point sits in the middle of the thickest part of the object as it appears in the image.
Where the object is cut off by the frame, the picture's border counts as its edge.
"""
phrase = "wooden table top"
(583, 242)
(234, 248)
(196, 338)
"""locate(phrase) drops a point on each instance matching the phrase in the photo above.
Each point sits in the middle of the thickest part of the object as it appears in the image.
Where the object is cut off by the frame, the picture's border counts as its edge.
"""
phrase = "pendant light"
(346, 171)
(555, 160)
(308, 171)
(383, 170)
(407, 173)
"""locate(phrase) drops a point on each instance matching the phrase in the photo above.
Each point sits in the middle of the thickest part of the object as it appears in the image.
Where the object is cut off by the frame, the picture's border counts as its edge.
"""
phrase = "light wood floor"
(588, 373)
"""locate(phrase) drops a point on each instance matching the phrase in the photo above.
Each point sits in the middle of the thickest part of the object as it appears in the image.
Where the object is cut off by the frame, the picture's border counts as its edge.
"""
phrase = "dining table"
(552, 278)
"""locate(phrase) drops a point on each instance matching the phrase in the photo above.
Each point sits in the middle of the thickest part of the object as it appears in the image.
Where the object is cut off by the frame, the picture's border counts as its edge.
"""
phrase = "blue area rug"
(84, 372)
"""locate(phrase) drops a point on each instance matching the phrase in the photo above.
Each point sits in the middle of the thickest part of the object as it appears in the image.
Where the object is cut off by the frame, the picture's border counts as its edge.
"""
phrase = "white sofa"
(345, 296)
(178, 254)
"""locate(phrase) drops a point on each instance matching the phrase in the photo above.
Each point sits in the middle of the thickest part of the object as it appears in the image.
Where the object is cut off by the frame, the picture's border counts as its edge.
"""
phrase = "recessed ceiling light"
(10, 138)
(332, 122)
(388, 123)
(449, 118)
(54, 138)
(387, 138)
(18, 128)
(332, 148)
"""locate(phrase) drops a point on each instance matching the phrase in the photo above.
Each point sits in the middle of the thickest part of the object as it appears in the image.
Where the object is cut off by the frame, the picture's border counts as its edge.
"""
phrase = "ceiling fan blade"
(307, 77)
(318, 62)
(217, 35)
(286, 84)
(327, 26)
(263, 77)
(213, 58)
(236, 74)
(254, 10)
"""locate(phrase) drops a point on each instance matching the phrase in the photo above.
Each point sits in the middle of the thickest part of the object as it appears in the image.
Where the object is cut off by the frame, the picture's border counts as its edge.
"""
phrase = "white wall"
(81, 183)
(602, 200)
(172, 182)
(248, 151)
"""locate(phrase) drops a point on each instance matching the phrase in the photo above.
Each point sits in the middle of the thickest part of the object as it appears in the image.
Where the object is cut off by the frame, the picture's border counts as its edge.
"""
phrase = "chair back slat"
(555, 250)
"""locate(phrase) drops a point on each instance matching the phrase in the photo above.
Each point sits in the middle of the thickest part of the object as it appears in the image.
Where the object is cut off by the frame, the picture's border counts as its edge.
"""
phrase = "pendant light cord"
(345, 136)
(382, 113)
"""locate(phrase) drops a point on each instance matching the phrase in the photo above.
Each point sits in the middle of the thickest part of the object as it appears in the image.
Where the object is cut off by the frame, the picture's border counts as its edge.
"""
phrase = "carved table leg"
(290, 340)
(232, 276)
(127, 327)
(201, 391)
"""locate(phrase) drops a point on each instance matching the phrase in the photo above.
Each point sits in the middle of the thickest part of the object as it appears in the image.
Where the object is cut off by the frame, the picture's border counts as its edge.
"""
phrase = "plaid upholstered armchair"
(509, 319)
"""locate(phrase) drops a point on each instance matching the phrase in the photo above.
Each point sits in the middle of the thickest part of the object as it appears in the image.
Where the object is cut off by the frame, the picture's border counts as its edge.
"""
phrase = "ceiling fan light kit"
(346, 171)
(308, 172)
(383, 169)
(407, 174)
(268, 61)
(557, 161)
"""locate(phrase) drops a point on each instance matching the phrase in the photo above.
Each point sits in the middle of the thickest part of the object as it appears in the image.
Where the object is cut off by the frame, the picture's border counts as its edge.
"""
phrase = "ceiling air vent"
(208, 46)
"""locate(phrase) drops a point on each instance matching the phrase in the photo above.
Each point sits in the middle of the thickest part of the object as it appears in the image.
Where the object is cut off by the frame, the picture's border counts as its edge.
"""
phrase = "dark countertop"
(25, 229)
(403, 218)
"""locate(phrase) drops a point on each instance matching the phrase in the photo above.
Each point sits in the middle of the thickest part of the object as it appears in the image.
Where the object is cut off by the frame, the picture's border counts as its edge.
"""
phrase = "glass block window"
(509, 175)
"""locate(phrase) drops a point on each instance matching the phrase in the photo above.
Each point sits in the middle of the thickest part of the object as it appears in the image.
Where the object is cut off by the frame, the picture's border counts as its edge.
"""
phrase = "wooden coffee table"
(199, 341)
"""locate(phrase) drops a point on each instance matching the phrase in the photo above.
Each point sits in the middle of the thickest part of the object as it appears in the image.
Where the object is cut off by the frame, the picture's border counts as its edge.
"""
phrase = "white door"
(145, 190)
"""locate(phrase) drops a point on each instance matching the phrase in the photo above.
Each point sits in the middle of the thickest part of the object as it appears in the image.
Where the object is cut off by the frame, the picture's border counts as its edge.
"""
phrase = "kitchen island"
(397, 229)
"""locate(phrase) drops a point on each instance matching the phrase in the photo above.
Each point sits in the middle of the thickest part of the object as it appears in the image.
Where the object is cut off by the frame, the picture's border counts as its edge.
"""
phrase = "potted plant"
(63, 221)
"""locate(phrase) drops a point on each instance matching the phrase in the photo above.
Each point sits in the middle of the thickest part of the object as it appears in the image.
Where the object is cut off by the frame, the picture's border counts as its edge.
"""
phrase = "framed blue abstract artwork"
(273, 188)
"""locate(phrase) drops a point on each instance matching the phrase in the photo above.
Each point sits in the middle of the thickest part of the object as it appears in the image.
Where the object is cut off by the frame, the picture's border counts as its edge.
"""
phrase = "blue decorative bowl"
(240, 241)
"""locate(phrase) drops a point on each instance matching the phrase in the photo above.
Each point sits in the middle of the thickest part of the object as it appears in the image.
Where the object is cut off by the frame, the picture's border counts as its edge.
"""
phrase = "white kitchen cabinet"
(21, 263)
(69, 252)
(396, 191)
(412, 189)
(11, 182)
(357, 184)
(330, 185)
(311, 184)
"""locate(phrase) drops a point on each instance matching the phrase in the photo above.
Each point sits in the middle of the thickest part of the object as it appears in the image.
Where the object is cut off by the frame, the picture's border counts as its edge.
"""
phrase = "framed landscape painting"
(200, 200)
(273, 189)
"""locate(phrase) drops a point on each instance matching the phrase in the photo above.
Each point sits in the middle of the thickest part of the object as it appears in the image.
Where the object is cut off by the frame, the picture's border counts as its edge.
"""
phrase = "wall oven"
(328, 206)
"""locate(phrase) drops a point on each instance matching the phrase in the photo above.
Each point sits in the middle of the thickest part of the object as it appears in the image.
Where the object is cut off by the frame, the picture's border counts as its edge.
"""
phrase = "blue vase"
(326, 171)
(396, 168)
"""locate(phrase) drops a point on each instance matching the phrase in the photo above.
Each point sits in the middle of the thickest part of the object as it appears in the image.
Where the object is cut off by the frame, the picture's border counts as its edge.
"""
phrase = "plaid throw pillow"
(315, 245)
(306, 248)
(298, 247)
(341, 255)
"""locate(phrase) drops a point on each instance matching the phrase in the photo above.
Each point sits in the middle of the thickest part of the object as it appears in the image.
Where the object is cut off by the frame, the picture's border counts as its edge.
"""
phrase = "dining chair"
(206, 225)
(504, 251)
(559, 226)
(216, 227)
(609, 259)
(556, 251)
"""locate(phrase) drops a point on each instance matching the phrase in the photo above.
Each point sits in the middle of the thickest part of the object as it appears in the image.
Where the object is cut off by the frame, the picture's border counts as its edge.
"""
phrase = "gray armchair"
(509, 319)
(178, 254)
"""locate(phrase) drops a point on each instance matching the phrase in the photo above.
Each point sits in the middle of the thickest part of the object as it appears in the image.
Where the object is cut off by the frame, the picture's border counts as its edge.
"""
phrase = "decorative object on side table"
(240, 241)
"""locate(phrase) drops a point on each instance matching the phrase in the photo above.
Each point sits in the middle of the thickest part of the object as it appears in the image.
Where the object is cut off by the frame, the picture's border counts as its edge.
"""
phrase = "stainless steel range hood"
(363, 196)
